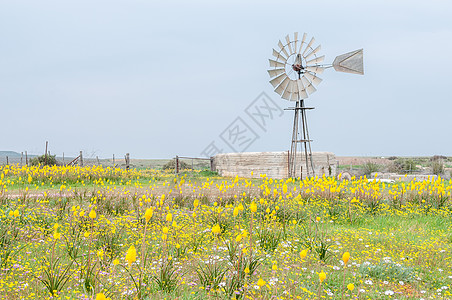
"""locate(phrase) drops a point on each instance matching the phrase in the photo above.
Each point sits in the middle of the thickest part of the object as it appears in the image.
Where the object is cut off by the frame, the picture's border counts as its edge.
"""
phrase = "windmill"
(294, 74)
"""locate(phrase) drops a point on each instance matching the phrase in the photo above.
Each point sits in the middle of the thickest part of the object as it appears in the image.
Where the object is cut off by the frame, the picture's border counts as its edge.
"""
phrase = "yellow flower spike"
(164, 237)
(253, 207)
(148, 214)
(92, 214)
(303, 253)
(131, 255)
(274, 267)
(216, 229)
(56, 235)
(196, 203)
(235, 212)
(345, 257)
(101, 296)
(165, 230)
(351, 286)
(169, 217)
(322, 276)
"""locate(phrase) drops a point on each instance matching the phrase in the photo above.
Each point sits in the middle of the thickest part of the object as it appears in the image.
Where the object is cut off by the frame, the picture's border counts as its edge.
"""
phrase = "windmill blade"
(286, 95)
(315, 69)
(294, 96)
(276, 64)
(309, 87)
(308, 46)
(288, 45)
(312, 78)
(279, 56)
(276, 72)
(302, 42)
(281, 46)
(277, 80)
(316, 60)
(312, 52)
(282, 86)
(301, 89)
(351, 62)
(295, 39)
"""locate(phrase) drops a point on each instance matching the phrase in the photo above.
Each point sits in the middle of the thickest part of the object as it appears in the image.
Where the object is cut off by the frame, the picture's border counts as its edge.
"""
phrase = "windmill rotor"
(296, 59)
(294, 74)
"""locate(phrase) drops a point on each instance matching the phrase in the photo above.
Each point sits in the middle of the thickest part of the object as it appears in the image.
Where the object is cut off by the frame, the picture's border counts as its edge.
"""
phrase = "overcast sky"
(165, 78)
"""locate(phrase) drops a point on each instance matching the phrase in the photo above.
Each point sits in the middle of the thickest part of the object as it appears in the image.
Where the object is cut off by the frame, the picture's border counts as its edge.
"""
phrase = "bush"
(41, 160)
(171, 165)
(403, 165)
(437, 167)
(370, 167)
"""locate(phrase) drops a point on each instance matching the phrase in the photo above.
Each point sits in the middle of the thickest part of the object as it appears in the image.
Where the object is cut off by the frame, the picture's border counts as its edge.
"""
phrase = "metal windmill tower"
(293, 73)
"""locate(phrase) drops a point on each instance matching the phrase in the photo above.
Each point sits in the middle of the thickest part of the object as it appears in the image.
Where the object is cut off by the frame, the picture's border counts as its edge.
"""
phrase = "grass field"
(98, 233)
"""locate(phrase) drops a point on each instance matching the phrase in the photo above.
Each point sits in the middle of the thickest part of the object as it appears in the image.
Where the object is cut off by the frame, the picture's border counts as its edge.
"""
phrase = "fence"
(191, 163)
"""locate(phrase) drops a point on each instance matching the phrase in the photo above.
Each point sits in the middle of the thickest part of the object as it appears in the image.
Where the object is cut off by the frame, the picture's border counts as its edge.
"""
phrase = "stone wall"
(273, 164)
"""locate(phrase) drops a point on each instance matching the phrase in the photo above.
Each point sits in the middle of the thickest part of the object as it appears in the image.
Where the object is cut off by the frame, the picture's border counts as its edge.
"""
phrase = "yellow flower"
(92, 214)
(86, 234)
(165, 230)
(247, 270)
(56, 235)
(303, 253)
(238, 238)
(16, 213)
(164, 237)
(253, 207)
(216, 229)
(351, 286)
(148, 214)
(196, 203)
(131, 255)
(274, 267)
(317, 219)
(260, 282)
(322, 276)
(100, 253)
(285, 188)
(169, 217)
(236, 211)
(101, 296)
(82, 213)
(116, 262)
(346, 257)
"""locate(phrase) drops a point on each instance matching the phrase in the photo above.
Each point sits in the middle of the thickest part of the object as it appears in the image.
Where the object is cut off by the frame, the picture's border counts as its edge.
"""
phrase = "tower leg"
(300, 127)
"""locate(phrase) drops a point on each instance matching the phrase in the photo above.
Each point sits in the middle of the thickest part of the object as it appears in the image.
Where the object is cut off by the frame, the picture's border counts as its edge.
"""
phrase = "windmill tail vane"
(294, 70)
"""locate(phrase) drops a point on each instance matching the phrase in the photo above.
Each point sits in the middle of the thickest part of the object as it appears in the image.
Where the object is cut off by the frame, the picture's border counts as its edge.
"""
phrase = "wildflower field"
(99, 233)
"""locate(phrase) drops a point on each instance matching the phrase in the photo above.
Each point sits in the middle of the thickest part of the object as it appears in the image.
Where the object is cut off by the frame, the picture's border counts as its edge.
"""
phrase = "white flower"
(369, 282)
(362, 291)
(389, 293)
(401, 282)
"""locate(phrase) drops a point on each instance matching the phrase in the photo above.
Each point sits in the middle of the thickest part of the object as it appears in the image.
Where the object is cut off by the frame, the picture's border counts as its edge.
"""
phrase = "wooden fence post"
(81, 159)
(177, 164)
(26, 158)
(127, 161)
(45, 158)
(21, 158)
(113, 160)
